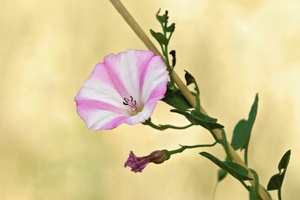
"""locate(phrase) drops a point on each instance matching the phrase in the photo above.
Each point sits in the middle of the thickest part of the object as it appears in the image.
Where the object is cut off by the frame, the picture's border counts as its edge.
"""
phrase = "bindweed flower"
(137, 164)
(124, 88)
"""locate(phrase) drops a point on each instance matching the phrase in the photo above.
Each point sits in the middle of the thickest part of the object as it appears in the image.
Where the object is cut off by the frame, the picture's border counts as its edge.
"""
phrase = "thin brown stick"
(182, 87)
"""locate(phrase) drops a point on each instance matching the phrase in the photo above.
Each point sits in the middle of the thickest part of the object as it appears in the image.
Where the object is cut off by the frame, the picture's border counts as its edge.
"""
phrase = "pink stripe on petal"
(137, 64)
(113, 66)
(128, 67)
(114, 123)
(100, 115)
(109, 122)
(142, 75)
(100, 87)
(100, 119)
(158, 92)
(156, 75)
(98, 105)
(109, 75)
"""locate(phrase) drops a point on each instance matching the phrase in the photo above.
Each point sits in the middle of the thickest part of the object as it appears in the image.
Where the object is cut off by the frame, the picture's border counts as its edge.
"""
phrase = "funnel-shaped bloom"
(124, 88)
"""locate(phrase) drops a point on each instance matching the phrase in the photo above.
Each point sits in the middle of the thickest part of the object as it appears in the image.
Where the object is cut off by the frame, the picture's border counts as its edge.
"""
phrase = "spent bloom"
(137, 164)
(124, 88)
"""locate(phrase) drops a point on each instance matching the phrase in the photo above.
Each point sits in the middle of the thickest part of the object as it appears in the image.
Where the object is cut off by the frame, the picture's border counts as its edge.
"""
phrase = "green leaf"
(225, 145)
(275, 182)
(162, 18)
(189, 78)
(176, 99)
(222, 173)
(205, 121)
(186, 114)
(242, 131)
(201, 117)
(236, 170)
(197, 118)
(284, 162)
(160, 38)
(171, 28)
(242, 170)
(239, 138)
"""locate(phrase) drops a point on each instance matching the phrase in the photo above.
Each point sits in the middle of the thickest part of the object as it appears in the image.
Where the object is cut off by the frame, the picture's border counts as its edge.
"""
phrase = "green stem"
(225, 145)
(164, 127)
(246, 155)
(164, 49)
(184, 147)
(170, 35)
(279, 194)
(166, 54)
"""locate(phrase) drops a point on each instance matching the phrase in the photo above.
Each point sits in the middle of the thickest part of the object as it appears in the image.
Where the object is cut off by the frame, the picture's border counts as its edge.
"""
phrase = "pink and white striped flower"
(124, 88)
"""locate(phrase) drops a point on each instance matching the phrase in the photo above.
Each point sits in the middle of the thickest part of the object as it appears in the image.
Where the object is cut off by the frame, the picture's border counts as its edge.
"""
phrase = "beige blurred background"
(234, 48)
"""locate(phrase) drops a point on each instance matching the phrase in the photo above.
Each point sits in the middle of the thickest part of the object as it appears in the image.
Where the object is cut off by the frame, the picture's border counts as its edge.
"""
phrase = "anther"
(130, 102)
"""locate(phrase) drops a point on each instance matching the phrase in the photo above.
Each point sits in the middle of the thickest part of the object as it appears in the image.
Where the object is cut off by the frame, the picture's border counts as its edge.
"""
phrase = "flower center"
(130, 102)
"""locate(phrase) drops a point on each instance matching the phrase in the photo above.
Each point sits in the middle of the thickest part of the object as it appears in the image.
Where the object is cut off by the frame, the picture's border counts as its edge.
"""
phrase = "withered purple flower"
(137, 164)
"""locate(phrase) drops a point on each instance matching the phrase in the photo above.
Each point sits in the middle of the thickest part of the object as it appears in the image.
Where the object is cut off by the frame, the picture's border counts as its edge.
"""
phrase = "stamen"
(130, 102)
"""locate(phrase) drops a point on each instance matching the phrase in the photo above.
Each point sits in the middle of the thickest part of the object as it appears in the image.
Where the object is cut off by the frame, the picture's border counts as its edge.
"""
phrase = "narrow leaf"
(242, 131)
(236, 171)
(225, 145)
(176, 99)
(205, 121)
(256, 183)
(186, 114)
(201, 117)
(189, 78)
(171, 28)
(240, 169)
(239, 138)
(160, 38)
(197, 118)
(284, 161)
(251, 118)
(162, 18)
(275, 182)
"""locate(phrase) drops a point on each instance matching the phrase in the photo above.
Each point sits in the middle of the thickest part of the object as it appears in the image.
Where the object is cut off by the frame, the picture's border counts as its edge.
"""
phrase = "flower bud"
(159, 157)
